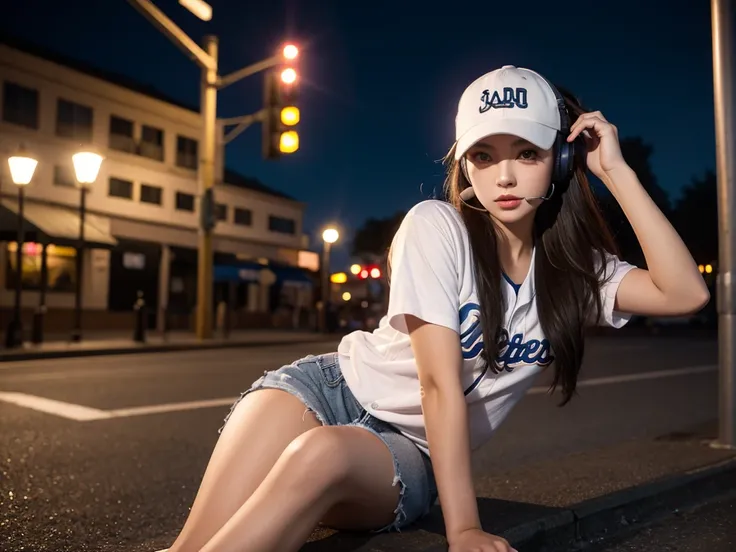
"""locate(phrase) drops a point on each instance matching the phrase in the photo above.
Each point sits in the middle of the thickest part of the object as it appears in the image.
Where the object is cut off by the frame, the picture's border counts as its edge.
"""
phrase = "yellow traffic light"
(289, 141)
(708, 269)
(355, 269)
(701, 268)
(290, 116)
(288, 76)
(338, 278)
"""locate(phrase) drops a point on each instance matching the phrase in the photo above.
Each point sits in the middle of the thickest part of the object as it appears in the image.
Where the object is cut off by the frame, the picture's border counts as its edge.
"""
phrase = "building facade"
(142, 220)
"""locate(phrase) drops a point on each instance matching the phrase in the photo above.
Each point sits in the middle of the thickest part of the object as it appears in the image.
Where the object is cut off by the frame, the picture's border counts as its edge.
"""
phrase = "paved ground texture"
(711, 528)
(106, 453)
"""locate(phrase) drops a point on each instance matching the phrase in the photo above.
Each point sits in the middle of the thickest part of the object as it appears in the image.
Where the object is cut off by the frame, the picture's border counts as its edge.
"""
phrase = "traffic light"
(280, 97)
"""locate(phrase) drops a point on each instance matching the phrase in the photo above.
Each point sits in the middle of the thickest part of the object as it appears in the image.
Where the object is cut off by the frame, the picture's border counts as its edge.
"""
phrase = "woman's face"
(504, 170)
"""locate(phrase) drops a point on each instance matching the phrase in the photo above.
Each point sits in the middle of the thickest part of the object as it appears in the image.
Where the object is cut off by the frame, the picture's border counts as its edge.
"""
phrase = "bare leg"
(322, 468)
(258, 431)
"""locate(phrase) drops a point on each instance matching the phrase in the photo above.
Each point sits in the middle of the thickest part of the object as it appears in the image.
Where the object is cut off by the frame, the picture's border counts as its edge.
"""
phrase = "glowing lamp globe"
(22, 169)
(86, 166)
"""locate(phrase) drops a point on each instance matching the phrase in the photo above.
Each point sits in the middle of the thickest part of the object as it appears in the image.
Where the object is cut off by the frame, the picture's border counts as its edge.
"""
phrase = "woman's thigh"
(391, 484)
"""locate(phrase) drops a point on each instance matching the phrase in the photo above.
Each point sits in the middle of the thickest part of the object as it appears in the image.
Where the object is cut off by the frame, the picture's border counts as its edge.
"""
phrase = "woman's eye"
(529, 154)
(481, 156)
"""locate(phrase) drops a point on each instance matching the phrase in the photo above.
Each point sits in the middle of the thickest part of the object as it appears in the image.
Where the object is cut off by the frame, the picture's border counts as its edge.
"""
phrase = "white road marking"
(171, 407)
(593, 382)
(75, 412)
(82, 413)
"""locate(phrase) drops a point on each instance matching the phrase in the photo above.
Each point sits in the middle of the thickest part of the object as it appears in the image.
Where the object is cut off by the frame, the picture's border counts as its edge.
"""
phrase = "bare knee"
(318, 457)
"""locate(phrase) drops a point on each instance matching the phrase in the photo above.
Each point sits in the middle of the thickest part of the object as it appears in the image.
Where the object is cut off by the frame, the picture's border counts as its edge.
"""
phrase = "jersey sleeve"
(424, 275)
(615, 271)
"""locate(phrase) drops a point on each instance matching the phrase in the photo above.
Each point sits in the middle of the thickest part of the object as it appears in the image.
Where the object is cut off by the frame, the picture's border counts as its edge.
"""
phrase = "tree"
(696, 218)
(373, 238)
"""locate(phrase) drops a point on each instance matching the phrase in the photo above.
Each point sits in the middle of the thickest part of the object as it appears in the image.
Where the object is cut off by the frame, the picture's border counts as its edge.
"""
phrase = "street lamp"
(22, 167)
(86, 167)
(329, 236)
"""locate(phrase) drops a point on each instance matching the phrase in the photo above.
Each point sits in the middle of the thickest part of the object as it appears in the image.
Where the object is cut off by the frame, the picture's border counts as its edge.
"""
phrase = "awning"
(251, 272)
(291, 276)
(241, 272)
(54, 224)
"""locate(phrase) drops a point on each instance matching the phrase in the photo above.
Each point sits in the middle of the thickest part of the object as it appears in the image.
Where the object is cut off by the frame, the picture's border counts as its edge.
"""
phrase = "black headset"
(565, 152)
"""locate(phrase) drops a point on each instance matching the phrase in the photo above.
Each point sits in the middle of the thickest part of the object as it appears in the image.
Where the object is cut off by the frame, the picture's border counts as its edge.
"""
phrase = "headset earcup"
(564, 160)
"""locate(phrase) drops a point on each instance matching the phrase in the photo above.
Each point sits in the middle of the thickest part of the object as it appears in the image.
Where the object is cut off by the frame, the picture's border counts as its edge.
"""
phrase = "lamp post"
(329, 236)
(86, 167)
(22, 168)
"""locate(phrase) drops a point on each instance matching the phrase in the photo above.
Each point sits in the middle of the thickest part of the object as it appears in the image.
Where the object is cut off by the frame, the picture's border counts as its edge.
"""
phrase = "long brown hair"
(569, 232)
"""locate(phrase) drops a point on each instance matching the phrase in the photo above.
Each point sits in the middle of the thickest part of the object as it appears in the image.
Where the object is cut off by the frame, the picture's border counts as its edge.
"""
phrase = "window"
(184, 202)
(243, 217)
(64, 176)
(152, 143)
(282, 225)
(73, 121)
(220, 211)
(120, 188)
(60, 266)
(20, 105)
(151, 194)
(121, 134)
(186, 152)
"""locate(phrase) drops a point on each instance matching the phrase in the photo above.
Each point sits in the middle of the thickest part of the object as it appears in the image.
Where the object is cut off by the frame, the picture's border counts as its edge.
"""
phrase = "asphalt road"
(125, 483)
(711, 528)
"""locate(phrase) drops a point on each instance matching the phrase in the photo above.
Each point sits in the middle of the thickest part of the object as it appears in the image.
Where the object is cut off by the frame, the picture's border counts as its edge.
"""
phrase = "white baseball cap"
(509, 100)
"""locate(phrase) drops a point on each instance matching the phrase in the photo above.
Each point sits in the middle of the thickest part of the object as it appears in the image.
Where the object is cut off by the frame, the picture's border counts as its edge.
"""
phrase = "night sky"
(381, 80)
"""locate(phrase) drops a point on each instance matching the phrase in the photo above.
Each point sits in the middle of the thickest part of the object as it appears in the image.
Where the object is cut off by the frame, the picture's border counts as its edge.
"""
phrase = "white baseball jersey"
(433, 279)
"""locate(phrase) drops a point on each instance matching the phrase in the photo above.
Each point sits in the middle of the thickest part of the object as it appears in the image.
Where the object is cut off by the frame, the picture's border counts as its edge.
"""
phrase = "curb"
(614, 513)
(143, 349)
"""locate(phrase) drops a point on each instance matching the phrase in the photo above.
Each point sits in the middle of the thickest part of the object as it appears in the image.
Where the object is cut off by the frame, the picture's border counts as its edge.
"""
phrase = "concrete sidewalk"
(117, 343)
(558, 503)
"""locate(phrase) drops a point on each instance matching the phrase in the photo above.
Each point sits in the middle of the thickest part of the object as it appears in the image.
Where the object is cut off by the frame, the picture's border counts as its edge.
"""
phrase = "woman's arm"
(438, 356)
(672, 285)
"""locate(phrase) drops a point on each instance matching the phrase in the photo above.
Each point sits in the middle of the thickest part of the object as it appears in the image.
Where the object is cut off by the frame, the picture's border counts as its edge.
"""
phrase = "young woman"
(487, 290)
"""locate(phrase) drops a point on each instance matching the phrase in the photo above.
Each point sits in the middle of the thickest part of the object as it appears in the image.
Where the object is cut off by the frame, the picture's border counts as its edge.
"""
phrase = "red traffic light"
(363, 274)
(290, 51)
(375, 272)
(288, 75)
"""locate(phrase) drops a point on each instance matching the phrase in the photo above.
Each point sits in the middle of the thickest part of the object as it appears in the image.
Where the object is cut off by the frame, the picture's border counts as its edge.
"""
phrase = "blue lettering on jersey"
(512, 352)
(511, 98)
(471, 339)
(517, 352)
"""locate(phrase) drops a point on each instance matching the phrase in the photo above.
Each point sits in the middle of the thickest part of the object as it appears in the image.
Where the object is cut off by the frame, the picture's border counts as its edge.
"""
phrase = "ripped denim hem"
(262, 384)
(400, 512)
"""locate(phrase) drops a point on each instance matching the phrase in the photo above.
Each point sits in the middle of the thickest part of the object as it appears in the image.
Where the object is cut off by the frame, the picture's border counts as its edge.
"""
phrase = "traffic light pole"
(723, 15)
(205, 254)
(207, 60)
(242, 123)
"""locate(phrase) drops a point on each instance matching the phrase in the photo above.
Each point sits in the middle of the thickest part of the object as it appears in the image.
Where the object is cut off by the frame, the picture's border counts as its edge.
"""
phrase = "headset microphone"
(468, 193)
(546, 197)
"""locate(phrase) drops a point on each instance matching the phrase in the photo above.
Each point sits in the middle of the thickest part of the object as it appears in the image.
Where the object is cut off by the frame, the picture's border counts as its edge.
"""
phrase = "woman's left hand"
(601, 139)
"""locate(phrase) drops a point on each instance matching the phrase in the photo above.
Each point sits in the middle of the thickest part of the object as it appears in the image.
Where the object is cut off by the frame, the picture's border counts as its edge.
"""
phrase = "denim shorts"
(318, 382)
